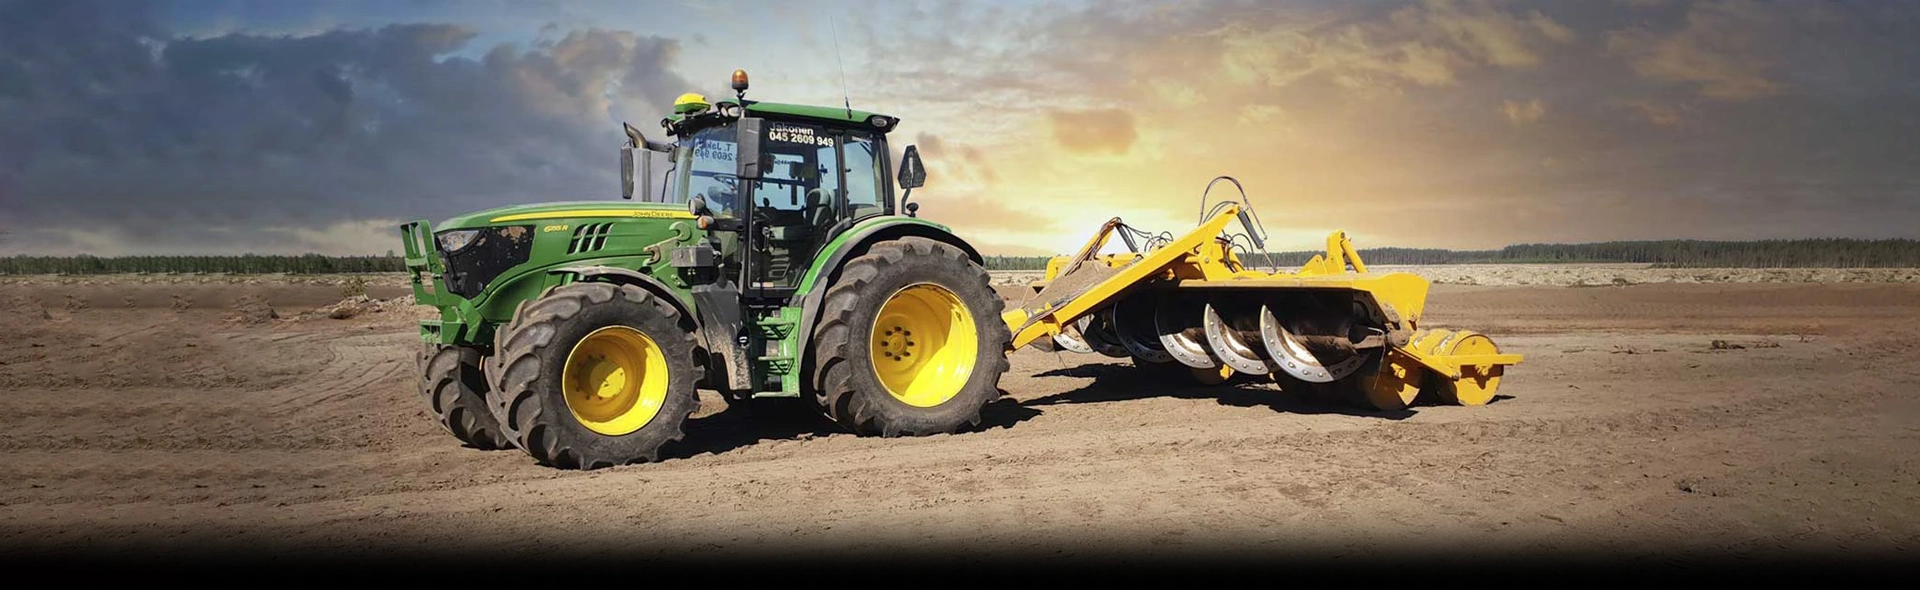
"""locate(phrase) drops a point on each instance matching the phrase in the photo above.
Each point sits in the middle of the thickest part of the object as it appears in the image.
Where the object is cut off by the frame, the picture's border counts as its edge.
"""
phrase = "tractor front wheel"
(456, 394)
(593, 375)
(910, 341)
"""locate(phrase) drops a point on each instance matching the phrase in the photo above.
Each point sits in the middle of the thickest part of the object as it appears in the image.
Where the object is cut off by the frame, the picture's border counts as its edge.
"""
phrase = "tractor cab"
(809, 174)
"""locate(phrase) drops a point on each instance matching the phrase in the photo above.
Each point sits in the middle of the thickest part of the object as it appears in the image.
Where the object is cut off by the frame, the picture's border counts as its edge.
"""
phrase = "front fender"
(627, 276)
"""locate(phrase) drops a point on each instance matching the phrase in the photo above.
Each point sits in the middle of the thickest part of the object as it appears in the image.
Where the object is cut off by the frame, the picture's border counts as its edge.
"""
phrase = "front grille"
(492, 252)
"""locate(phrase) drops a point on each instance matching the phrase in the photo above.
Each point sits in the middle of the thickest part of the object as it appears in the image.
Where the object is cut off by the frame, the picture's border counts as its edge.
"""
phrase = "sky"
(286, 127)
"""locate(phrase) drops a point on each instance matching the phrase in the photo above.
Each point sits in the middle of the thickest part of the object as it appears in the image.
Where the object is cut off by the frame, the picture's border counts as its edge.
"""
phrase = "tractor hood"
(565, 210)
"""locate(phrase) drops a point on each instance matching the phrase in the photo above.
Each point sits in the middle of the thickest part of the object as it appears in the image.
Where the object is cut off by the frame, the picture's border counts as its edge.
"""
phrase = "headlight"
(453, 241)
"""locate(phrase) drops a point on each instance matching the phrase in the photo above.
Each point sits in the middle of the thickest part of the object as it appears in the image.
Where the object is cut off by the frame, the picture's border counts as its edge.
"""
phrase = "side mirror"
(747, 137)
(912, 173)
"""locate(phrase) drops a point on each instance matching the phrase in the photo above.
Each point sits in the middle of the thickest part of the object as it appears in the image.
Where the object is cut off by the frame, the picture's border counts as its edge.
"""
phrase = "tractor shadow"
(1004, 413)
(748, 423)
(1119, 382)
(764, 421)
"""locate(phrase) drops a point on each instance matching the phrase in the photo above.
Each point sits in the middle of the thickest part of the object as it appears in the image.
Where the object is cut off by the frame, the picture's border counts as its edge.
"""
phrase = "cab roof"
(835, 115)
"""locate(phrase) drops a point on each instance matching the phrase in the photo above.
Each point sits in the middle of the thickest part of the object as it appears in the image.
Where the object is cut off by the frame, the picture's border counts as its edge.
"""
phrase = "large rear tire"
(910, 341)
(593, 375)
(456, 394)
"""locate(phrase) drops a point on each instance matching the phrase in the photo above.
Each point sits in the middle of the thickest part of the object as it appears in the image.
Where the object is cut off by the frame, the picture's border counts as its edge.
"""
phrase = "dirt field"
(178, 419)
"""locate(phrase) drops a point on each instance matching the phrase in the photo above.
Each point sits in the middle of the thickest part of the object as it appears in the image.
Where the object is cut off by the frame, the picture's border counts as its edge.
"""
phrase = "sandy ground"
(180, 418)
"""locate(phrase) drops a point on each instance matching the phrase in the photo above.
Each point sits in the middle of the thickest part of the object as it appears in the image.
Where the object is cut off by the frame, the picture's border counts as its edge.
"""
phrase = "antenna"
(843, 66)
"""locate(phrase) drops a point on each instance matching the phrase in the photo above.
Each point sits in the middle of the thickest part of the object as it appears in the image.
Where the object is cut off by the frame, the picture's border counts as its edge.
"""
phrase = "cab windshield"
(705, 165)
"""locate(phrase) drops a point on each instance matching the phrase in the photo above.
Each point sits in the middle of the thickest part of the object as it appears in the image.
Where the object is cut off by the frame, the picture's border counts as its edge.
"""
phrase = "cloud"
(1523, 112)
(1662, 114)
(1482, 32)
(1550, 28)
(976, 213)
(1101, 131)
(1429, 44)
(116, 125)
(958, 162)
(1718, 51)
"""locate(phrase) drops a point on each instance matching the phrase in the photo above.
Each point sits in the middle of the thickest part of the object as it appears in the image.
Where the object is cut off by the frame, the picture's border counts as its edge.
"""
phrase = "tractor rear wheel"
(456, 393)
(910, 341)
(593, 375)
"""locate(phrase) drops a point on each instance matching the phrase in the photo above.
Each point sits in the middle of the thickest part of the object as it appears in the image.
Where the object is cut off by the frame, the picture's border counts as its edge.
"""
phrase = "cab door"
(796, 192)
(819, 182)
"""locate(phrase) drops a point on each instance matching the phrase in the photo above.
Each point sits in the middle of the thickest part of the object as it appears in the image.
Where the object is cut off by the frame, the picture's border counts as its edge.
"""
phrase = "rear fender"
(855, 242)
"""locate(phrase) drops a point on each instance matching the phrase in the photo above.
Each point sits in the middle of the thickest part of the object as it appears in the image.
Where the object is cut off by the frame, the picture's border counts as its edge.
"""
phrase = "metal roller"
(1098, 333)
(1230, 344)
(1293, 357)
(1133, 327)
(1072, 339)
(1178, 322)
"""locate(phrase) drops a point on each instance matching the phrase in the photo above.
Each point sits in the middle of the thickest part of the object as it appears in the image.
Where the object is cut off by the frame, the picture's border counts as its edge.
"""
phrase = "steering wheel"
(721, 203)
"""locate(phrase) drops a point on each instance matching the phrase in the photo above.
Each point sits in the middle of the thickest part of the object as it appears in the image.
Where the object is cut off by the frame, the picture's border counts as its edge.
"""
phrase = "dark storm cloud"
(115, 126)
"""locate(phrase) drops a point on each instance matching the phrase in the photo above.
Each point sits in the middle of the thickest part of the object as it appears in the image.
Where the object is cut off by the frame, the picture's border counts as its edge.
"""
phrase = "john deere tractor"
(767, 254)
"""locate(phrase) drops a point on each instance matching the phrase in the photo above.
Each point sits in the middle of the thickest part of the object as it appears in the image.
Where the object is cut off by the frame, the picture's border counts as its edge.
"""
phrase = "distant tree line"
(242, 264)
(1826, 252)
(1819, 252)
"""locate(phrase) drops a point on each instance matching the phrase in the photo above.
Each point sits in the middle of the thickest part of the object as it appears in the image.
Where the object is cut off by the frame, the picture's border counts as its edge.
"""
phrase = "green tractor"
(772, 255)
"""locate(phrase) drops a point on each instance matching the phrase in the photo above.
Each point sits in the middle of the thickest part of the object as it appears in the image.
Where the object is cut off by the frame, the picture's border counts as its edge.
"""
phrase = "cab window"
(864, 196)
(707, 166)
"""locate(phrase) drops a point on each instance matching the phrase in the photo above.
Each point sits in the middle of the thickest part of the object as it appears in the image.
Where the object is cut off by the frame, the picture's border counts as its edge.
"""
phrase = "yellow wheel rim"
(615, 380)
(924, 345)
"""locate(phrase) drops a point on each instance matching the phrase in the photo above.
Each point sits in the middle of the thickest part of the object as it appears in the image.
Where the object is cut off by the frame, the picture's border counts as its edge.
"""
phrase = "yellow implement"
(1330, 325)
